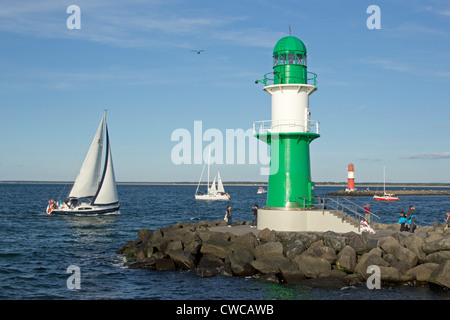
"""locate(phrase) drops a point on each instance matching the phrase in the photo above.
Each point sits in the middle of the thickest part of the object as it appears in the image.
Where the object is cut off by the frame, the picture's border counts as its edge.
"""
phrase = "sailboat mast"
(209, 163)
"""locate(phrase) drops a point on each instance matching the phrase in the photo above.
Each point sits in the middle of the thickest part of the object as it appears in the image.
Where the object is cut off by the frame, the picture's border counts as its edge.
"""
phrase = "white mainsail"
(86, 183)
(107, 192)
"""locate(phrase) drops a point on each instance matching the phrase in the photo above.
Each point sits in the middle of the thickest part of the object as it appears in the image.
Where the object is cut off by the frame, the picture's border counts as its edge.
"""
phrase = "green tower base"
(290, 184)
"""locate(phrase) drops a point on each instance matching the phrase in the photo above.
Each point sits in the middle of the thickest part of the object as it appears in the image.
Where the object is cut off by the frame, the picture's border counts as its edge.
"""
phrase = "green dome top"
(289, 44)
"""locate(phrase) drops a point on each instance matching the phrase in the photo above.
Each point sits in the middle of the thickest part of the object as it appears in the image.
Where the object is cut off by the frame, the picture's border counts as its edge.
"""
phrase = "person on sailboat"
(49, 207)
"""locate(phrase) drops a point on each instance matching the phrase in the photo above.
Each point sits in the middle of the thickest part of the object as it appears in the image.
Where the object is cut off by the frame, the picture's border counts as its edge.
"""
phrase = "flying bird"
(198, 51)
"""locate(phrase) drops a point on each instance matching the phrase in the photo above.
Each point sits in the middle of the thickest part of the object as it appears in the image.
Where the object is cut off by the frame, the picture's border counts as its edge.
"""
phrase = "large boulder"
(438, 257)
(269, 264)
(216, 246)
(333, 240)
(390, 274)
(391, 246)
(415, 243)
(293, 249)
(246, 242)
(346, 260)
(183, 259)
(357, 242)
(144, 235)
(312, 266)
(290, 273)
(192, 245)
(373, 257)
(442, 275)
(240, 261)
(318, 249)
(209, 266)
(165, 263)
(308, 238)
(437, 245)
(143, 251)
(422, 272)
(269, 249)
(268, 235)
(173, 245)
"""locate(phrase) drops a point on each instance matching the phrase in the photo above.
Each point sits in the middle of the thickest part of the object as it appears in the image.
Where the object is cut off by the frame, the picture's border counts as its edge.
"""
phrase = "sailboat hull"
(385, 198)
(86, 209)
(223, 197)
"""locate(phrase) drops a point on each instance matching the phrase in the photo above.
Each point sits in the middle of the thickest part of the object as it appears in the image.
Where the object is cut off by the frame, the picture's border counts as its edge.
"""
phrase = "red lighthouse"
(351, 178)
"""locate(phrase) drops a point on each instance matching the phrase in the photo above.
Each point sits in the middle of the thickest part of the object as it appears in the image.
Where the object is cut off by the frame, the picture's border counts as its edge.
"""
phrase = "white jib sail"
(219, 183)
(107, 193)
(213, 186)
(86, 182)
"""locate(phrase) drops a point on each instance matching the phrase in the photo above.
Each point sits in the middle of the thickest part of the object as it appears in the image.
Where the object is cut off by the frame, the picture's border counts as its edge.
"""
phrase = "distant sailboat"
(88, 194)
(385, 196)
(213, 192)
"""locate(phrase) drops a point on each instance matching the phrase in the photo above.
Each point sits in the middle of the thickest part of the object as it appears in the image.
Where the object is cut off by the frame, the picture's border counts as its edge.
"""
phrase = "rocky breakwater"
(296, 257)
(370, 193)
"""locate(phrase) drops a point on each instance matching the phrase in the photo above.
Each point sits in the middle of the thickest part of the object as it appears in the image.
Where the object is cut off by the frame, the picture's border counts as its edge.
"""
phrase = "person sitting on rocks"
(364, 226)
(402, 221)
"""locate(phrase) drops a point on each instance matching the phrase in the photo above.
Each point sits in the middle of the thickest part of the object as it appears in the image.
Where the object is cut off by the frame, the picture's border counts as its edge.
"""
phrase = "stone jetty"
(371, 193)
(212, 248)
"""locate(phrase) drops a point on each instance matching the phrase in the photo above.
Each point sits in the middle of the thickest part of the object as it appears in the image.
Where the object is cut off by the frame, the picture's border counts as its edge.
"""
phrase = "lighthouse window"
(301, 59)
(282, 59)
(291, 58)
(275, 60)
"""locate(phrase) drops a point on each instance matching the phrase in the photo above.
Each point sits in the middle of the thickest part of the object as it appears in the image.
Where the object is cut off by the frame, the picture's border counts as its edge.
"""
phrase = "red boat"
(386, 197)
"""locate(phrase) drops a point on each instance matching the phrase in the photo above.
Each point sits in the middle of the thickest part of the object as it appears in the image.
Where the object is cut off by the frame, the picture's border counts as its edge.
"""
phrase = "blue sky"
(383, 95)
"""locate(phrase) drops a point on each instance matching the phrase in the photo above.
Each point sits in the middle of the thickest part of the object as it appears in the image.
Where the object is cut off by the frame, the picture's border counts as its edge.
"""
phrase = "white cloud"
(134, 23)
(428, 156)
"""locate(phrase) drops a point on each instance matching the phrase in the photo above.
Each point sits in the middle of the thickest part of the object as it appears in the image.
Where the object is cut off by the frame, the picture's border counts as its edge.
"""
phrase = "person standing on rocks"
(228, 216)
(412, 218)
(367, 212)
(447, 220)
(255, 215)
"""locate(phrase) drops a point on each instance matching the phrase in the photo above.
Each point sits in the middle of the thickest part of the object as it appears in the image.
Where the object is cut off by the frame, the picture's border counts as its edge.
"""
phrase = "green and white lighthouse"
(289, 134)
(290, 131)
(290, 202)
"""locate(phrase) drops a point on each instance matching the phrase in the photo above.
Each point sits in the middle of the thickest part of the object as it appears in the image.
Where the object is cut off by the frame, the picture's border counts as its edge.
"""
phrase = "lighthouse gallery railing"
(312, 78)
(283, 126)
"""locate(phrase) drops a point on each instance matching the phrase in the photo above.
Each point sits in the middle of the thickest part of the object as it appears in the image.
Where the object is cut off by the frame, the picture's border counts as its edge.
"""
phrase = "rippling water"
(36, 249)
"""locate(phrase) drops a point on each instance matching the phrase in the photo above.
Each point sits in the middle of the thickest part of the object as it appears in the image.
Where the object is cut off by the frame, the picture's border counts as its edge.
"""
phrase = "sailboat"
(261, 190)
(89, 194)
(213, 192)
(385, 196)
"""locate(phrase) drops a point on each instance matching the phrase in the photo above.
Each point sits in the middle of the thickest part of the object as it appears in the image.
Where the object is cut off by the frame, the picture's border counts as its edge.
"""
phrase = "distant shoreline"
(246, 183)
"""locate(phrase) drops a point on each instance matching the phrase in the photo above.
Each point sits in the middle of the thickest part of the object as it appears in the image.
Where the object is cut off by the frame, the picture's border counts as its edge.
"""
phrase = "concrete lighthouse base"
(296, 220)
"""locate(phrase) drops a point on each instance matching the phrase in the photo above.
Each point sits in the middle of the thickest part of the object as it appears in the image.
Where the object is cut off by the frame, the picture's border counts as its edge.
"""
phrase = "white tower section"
(290, 108)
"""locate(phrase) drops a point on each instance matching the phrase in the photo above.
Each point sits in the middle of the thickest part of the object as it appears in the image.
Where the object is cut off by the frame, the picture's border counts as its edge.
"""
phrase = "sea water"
(37, 249)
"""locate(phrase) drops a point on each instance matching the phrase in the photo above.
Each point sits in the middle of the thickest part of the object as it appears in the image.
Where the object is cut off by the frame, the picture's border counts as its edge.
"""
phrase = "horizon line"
(321, 183)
